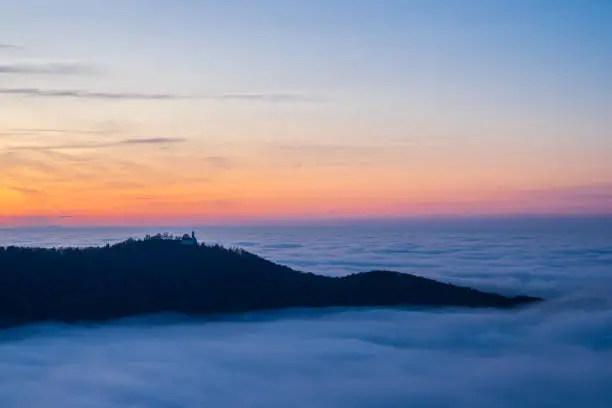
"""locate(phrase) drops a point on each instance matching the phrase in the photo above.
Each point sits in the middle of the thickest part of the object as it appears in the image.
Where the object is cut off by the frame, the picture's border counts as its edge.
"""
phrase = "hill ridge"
(160, 274)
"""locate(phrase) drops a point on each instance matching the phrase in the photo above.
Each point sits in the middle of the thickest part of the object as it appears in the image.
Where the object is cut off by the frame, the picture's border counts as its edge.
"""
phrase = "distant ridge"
(161, 274)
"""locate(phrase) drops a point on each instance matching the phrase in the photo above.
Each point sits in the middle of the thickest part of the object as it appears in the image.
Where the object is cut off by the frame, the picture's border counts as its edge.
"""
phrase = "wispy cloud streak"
(95, 95)
(56, 131)
(66, 93)
(153, 140)
(266, 97)
(5, 46)
(125, 142)
(46, 69)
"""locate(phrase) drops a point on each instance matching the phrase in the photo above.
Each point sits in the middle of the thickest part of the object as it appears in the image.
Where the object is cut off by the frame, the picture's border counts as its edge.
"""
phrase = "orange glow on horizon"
(134, 184)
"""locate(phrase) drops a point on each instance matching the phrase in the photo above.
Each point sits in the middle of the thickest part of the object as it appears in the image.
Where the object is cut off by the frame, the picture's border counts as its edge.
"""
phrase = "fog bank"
(544, 356)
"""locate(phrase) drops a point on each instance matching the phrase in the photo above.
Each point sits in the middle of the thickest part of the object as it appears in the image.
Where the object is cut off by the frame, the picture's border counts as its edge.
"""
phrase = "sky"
(197, 111)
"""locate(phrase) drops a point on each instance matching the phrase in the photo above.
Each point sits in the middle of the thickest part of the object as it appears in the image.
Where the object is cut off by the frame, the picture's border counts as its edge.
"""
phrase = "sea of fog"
(556, 354)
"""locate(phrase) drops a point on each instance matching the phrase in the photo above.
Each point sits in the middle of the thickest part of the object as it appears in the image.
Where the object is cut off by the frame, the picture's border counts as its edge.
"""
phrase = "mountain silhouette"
(162, 274)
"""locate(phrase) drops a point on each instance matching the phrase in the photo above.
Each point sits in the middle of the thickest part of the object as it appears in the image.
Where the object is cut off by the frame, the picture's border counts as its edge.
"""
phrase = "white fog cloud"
(547, 356)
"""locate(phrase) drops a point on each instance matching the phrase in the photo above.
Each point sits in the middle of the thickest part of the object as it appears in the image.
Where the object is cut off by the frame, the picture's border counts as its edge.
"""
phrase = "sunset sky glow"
(197, 111)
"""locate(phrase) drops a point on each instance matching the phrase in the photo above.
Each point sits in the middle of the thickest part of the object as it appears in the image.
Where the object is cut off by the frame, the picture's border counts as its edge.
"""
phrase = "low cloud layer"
(374, 358)
(555, 354)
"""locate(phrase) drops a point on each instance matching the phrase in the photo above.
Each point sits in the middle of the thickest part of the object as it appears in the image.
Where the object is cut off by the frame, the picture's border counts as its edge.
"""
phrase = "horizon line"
(315, 221)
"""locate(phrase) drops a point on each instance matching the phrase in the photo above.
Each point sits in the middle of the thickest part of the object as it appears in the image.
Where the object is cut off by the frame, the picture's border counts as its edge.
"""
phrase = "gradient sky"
(135, 111)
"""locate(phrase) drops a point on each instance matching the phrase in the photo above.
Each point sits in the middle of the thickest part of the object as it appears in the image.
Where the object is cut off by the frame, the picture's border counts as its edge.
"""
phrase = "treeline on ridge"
(162, 274)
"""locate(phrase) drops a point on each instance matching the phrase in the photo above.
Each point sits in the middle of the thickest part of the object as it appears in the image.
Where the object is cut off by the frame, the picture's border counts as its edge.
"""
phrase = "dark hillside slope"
(159, 274)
